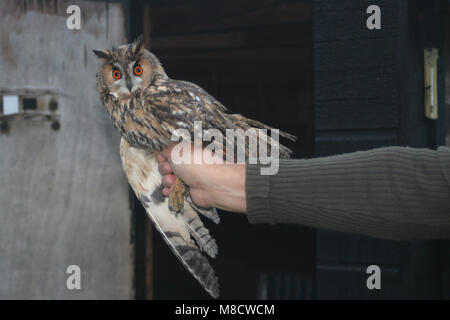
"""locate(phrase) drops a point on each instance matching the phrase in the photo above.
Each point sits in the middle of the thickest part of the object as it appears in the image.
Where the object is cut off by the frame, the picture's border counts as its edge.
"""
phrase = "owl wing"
(141, 169)
(179, 104)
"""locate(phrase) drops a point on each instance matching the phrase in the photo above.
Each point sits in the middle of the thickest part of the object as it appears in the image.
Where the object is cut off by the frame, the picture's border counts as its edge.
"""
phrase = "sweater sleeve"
(396, 193)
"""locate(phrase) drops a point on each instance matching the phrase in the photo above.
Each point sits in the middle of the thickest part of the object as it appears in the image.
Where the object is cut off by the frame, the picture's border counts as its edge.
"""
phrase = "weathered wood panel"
(356, 53)
(342, 141)
(357, 108)
(63, 196)
(340, 114)
(354, 111)
(356, 84)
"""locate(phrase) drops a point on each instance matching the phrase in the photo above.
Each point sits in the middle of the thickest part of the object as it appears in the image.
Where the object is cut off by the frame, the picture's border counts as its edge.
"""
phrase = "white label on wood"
(10, 104)
(430, 72)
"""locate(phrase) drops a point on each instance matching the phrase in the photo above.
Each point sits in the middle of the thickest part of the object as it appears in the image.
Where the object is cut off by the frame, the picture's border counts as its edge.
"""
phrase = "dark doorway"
(256, 58)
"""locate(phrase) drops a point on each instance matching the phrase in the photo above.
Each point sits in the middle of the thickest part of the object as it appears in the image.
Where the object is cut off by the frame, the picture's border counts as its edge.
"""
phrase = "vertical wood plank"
(63, 195)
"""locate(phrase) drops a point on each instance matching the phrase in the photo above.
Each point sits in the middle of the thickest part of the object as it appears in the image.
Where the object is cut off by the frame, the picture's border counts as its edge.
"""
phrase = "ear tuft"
(139, 44)
(102, 54)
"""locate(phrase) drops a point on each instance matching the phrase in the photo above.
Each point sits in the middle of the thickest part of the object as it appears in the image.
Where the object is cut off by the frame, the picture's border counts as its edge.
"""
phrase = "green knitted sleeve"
(393, 193)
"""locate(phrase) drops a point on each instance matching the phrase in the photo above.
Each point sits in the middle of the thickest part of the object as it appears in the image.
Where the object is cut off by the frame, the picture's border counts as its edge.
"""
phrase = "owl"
(146, 107)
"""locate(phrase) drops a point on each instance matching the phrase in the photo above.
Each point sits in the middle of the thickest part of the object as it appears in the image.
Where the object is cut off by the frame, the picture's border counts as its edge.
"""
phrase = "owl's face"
(126, 70)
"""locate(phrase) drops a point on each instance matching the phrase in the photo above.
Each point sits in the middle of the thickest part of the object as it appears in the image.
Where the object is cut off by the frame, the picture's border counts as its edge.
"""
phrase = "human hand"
(210, 185)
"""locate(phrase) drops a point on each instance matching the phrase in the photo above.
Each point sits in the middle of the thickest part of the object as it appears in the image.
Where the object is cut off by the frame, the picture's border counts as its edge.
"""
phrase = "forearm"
(394, 193)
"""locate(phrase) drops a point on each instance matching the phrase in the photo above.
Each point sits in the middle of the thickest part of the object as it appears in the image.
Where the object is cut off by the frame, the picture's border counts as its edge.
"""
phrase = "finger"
(167, 151)
(168, 180)
(160, 157)
(166, 191)
(165, 168)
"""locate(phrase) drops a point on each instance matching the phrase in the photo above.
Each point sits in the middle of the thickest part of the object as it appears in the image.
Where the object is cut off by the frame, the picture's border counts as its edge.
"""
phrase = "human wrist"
(228, 189)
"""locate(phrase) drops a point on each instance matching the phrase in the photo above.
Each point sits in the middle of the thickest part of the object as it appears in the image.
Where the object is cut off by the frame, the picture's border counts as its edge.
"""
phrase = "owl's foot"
(176, 196)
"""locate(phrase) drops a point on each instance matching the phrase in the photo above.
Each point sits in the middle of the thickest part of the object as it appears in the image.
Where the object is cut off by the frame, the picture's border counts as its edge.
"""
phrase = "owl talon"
(176, 197)
(174, 212)
(176, 202)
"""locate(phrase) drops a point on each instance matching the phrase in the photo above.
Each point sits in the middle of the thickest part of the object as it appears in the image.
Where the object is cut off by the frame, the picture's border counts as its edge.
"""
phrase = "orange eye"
(116, 74)
(138, 70)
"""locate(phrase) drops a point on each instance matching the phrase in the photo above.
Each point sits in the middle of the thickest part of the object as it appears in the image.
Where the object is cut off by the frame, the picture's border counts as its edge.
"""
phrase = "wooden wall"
(63, 196)
(368, 94)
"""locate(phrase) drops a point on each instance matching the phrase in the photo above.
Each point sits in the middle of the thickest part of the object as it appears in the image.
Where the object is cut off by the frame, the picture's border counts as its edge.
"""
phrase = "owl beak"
(129, 84)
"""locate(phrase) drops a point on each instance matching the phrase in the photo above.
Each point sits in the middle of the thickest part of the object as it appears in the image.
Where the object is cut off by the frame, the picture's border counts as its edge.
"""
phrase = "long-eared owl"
(146, 106)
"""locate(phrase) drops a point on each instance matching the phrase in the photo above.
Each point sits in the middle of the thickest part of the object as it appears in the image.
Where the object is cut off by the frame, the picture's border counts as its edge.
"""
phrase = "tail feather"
(194, 262)
(245, 123)
(239, 121)
(175, 232)
(199, 232)
(210, 213)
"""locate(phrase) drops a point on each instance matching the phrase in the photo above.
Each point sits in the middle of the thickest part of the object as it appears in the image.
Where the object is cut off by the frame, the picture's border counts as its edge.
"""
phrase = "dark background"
(311, 68)
(259, 64)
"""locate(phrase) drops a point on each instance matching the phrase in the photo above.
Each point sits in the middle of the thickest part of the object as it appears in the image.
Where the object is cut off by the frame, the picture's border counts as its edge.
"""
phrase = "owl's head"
(127, 69)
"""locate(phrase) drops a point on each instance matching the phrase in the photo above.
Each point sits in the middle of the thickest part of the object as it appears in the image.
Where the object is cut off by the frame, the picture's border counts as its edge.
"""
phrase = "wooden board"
(63, 195)
(368, 94)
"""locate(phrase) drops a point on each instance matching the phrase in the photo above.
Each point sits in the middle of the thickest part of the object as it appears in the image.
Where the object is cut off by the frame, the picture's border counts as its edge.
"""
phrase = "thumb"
(166, 153)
